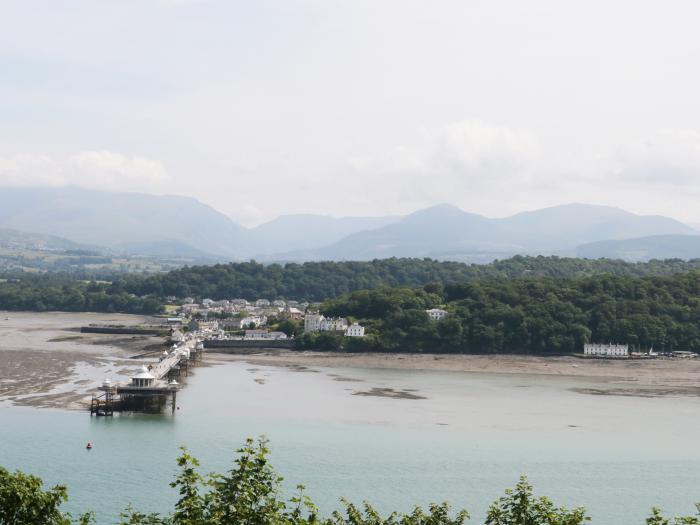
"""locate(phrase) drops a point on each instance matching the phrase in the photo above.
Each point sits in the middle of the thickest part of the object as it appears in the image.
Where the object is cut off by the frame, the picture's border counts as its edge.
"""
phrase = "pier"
(153, 387)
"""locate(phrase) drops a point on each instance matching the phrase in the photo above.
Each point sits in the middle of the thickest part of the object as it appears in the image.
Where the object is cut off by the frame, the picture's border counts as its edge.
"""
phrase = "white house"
(608, 350)
(264, 334)
(355, 330)
(338, 324)
(262, 303)
(312, 322)
(206, 325)
(257, 320)
(436, 314)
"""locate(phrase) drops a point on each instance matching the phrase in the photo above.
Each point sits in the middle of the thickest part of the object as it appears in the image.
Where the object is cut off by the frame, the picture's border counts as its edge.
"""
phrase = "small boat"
(89, 446)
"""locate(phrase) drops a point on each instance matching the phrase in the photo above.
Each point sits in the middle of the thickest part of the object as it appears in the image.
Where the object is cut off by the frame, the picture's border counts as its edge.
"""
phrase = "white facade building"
(257, 320)
(312, 322)
(436, 314)
(264, 334)
(355, 330)
(339, 324)
(207, 325)
(608, 350)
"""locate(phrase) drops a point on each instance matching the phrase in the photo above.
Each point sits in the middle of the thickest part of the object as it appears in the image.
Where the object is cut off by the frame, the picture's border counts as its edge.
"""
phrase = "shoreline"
(644, 378)
(46, 363)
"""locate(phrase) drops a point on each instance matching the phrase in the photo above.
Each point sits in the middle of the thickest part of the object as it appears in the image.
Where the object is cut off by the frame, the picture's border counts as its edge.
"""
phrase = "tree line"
(62, 292)
(318, 281)
(250, 494)
(535, 316)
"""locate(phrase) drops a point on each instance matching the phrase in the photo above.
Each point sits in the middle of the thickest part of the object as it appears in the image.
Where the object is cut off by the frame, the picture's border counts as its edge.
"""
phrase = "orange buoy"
(89, 446)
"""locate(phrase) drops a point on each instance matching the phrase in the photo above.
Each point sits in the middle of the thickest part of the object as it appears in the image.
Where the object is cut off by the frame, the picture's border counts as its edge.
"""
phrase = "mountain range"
(142, 224)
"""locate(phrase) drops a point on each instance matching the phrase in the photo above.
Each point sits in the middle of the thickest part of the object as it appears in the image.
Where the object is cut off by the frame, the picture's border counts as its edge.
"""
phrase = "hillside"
(182, 227)
(22, 240)
(128, 222)
(446, 232)
(534, 316)
(644, 248)
(306, 232)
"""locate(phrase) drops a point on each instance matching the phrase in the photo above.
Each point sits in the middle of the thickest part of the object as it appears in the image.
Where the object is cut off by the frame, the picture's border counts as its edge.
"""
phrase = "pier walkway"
(150, 389)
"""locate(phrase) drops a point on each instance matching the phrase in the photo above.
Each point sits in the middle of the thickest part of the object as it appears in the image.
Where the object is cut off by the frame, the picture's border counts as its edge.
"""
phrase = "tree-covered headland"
(250, 494)
(536, 316)
(63, 292)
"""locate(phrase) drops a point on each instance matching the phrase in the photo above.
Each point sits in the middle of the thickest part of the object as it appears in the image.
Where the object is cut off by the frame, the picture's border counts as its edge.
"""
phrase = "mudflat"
(46, 362)
(636, 377)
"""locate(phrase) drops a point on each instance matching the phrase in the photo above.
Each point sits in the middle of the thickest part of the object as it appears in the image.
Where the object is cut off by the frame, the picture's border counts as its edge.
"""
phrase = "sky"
(357, 107)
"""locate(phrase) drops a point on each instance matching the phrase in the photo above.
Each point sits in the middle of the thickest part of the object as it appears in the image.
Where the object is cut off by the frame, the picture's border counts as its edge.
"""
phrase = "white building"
(608, 350)
(355, 330)
(436, 314)
(205, 325)
(264, 334)
(312, 322)
(257, 320)
(338, 324)
(262, 303)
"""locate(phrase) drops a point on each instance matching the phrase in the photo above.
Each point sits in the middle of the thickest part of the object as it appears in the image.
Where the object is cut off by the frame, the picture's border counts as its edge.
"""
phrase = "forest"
(534, 316)
(319, 281)
(62, 292)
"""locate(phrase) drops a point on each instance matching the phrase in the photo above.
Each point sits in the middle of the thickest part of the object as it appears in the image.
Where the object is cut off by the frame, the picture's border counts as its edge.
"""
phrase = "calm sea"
(470, 439)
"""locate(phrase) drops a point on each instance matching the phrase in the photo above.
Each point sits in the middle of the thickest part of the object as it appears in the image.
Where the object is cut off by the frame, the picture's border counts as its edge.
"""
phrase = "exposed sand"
(46, 362)
(637, 377)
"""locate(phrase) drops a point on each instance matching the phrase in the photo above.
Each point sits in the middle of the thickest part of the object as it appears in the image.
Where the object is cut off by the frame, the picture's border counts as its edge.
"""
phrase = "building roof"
(144, 374)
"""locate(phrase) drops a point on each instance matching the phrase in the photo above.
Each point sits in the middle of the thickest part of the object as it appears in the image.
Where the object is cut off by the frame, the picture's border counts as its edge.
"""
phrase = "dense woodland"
(319, 281)
(47, 292)
(541, 316)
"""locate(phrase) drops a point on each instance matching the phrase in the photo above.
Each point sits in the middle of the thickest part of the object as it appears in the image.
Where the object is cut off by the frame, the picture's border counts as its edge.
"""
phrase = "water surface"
(468, 440)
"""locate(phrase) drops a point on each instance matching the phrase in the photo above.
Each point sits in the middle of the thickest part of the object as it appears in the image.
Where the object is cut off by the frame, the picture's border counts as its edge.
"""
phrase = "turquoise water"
(471, 438)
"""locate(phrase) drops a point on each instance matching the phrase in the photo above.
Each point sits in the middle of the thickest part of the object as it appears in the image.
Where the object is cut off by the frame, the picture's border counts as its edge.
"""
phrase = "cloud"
(671, 157)
(105, 170)
(453, 161)
(468, 149)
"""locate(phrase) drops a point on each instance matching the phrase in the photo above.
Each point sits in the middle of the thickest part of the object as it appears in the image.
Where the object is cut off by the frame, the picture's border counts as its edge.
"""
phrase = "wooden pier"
(153, 387)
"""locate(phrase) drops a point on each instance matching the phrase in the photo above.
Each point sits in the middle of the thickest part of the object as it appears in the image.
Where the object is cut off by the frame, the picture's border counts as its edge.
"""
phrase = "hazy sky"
(357, 107)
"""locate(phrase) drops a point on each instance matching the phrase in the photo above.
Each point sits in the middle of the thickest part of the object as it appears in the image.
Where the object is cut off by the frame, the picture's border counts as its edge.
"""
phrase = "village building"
(257, 320)
(262, 303)
(205, 325)
(335, 324)
(255, 335)
(312, 322)
(290, 313)
(605, 350)
(436, 314)
(355, 330)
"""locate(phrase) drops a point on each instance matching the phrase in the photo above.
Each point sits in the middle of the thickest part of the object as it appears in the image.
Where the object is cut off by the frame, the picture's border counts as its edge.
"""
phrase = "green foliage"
(23, 501)
(319, 281)
(542, 316)
(50, 292)
(520, 507)
(657, 518)
(439, 514)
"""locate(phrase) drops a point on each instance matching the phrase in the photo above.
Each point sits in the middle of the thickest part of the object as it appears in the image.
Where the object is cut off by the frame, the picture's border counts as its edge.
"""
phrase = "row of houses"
(320, 323)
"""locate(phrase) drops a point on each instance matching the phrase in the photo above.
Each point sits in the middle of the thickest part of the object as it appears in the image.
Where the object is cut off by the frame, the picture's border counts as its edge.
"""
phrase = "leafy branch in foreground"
(250, 494)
